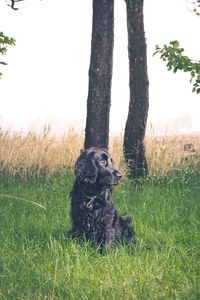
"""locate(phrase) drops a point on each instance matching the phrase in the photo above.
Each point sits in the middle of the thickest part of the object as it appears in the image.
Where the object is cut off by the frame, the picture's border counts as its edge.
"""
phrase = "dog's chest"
(96, 218)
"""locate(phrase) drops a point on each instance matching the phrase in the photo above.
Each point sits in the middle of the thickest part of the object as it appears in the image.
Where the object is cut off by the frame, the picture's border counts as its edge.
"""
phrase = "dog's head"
(94, 166)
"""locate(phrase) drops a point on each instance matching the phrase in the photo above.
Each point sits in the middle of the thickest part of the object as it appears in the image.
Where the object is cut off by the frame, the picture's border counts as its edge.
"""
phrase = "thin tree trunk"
(100, 75)
(134, 150)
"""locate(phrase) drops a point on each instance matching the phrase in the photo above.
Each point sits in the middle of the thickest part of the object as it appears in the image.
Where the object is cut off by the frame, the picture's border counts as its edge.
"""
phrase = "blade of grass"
(19, 198)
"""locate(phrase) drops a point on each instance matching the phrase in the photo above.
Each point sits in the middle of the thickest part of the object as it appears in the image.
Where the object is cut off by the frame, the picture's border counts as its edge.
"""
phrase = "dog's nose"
(117, 174)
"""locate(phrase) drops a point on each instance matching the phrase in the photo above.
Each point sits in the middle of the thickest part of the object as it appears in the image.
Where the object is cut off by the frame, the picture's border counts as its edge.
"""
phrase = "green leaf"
(175, 44)
(192, 74)
(157, 51)
(194, 89)
(4, 42)
(175, 69)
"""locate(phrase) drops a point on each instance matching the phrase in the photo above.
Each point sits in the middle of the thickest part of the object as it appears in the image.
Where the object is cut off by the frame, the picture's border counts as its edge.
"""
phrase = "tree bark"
(100, 75)
(134, 149)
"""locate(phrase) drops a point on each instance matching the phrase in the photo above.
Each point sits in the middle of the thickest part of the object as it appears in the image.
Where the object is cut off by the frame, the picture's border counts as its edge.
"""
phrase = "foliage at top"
(4, 42)
(176, 60)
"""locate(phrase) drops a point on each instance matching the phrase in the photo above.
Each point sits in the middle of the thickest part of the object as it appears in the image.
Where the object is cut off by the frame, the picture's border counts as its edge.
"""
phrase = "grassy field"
(39, 261)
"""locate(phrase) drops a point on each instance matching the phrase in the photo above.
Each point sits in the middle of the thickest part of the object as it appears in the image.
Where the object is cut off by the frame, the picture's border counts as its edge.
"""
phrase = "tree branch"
(13, 4)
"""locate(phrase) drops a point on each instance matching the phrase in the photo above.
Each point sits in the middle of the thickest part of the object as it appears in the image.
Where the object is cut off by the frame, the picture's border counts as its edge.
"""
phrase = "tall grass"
(37, 155)
(42, 155)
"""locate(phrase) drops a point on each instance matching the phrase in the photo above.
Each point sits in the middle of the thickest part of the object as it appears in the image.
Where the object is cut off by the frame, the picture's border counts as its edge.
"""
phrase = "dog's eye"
(103, 163)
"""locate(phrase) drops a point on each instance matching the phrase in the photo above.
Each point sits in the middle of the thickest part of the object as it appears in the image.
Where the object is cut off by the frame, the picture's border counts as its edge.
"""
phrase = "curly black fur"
(93, 213)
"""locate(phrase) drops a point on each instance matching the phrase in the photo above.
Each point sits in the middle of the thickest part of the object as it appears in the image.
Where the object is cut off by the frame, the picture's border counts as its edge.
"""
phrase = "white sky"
(46, 79)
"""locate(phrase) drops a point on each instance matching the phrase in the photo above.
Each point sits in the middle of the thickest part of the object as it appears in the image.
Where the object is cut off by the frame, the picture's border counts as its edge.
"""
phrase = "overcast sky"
(46, 79)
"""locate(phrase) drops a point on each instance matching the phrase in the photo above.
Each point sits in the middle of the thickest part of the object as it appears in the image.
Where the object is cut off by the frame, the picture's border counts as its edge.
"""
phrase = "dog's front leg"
(108, 240)
(109, 237)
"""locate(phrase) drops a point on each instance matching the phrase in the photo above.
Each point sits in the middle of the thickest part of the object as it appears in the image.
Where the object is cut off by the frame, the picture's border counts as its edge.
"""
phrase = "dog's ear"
(85, 168)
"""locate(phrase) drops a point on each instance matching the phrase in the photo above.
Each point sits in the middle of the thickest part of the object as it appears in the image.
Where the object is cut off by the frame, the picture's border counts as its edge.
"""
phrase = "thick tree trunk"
(100, 75)
(134, 150)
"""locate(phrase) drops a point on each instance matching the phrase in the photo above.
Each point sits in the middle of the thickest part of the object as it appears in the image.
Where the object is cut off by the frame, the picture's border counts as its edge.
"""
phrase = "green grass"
(37, 261)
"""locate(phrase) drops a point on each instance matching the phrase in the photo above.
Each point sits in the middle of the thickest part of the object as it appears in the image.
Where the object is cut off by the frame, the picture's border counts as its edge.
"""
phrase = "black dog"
(93, 213)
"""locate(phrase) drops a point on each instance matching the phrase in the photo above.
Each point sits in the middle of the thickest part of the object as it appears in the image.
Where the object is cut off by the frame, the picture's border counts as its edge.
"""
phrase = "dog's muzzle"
(116, 177)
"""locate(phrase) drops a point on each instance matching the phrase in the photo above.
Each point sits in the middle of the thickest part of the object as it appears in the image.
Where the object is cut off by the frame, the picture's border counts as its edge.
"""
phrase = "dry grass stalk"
(43, 155)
